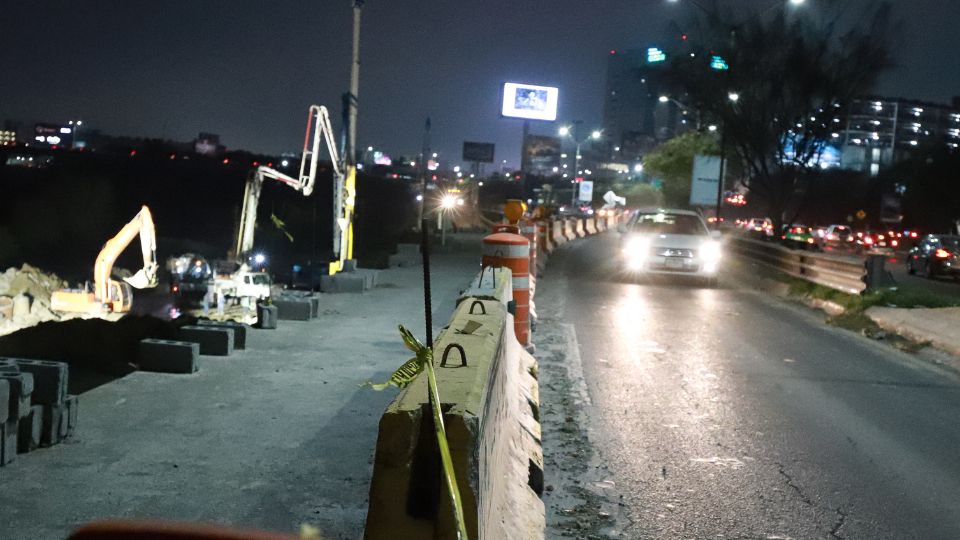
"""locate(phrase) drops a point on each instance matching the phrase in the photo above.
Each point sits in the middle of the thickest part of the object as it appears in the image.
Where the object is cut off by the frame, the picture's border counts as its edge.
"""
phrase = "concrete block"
(4, 400)
(314, 306)
(212, 341)
(21, 388)
(291, 309)
(266, 317)
(28, 435)
(239, 331)
(350, 265)
(165, 356)
(8, 442)
(73, 413)
(343, 283)
(49, 379)
(50, 424)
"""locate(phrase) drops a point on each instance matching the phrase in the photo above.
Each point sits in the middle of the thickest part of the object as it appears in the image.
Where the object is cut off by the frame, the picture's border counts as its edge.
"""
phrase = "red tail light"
(943, 254)
(894, 243)
(867, 240)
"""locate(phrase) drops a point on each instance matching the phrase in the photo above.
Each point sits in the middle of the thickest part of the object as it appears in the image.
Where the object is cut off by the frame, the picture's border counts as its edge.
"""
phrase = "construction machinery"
(109, 295)
(245, 283)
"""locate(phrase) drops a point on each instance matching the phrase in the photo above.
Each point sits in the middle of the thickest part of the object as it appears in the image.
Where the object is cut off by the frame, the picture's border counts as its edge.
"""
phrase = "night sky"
(248, 70)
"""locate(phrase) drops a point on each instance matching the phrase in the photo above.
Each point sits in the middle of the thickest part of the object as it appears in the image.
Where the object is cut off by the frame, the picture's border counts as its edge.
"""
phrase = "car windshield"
(669, 224)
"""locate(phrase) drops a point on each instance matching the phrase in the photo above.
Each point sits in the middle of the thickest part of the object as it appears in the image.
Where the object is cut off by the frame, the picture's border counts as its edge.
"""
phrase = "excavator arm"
(109, 295)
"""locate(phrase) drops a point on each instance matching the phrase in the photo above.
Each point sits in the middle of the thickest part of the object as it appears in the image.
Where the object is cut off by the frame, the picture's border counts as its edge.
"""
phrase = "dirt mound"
(25, 298)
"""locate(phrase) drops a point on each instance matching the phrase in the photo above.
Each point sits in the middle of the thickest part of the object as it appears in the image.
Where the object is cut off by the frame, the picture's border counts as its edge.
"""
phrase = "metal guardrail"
(838, 272)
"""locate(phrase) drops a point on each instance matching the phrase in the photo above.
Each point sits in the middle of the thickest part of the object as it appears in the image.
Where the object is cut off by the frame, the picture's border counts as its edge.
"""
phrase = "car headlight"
(710, 251)
(637, 247)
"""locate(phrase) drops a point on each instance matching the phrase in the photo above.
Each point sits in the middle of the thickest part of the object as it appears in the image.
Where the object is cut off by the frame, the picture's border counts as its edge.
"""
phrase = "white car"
(672, 242)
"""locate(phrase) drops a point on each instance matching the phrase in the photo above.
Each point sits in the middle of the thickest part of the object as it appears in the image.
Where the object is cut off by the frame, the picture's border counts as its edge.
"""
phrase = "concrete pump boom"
(318, 124)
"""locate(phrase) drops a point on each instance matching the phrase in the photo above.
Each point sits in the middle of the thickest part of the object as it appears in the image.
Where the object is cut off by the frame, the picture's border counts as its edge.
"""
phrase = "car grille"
(673, 252)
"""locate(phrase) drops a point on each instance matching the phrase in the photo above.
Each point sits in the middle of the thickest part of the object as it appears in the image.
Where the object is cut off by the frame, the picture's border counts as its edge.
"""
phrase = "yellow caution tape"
(403, 376)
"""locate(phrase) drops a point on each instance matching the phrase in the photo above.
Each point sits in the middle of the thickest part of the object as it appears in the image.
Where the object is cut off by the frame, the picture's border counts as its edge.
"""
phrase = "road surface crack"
(789, 479)
(841, 519)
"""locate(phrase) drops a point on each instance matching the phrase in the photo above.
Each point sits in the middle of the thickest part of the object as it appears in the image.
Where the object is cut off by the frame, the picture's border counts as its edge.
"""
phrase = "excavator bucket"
(140, 280)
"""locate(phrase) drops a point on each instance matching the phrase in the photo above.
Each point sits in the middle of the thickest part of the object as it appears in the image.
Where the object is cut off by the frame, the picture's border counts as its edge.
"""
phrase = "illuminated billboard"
(529, 101)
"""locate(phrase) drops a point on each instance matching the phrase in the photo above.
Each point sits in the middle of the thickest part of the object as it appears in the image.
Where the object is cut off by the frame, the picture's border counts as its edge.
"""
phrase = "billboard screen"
(529, 101)
(541, 153)
(706, 176)
(478, 151)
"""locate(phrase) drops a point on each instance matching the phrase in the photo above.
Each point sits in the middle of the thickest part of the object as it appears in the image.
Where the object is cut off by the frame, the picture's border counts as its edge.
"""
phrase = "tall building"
(635, 116)
(877, 132)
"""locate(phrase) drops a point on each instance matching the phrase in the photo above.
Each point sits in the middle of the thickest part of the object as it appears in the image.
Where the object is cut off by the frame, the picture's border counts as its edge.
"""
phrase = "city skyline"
(217, 67)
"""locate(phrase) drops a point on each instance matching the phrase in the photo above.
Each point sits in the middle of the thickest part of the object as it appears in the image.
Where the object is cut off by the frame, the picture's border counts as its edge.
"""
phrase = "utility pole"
(345, 188)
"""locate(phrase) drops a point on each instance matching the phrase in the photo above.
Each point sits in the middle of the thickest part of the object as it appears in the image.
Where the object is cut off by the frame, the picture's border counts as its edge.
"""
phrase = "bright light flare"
(448, 202)
(711, 251)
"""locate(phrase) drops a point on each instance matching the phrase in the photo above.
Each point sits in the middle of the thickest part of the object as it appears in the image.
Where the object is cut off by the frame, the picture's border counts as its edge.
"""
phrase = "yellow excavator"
(109, 295)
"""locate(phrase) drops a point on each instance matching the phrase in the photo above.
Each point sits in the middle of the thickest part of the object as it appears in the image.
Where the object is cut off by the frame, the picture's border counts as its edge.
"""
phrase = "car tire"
(910, 269)
(928, 270)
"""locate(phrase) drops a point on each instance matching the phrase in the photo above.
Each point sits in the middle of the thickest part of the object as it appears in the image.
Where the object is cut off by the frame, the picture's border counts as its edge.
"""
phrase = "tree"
(788, 76)
(672, 163)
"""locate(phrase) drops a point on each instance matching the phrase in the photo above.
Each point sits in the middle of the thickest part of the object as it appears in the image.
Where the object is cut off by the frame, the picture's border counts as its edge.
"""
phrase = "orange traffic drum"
(509, 250)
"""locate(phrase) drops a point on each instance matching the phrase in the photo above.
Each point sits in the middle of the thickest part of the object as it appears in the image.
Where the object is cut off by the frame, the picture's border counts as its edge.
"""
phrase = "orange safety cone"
(510, 250)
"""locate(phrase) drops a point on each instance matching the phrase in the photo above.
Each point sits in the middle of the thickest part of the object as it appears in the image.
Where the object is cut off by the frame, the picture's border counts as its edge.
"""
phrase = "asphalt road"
(675, 411)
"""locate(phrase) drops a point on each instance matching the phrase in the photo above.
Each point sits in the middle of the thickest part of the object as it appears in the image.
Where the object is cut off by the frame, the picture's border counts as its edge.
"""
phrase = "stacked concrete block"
(212, 341)
(49, 379)
(166, 356)
(19, 389)
(30, 430)
(38, 410)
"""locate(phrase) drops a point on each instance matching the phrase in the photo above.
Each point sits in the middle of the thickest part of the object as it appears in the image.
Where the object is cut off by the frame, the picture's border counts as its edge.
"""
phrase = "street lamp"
(447, 202)
(734, 98)
(574, 133)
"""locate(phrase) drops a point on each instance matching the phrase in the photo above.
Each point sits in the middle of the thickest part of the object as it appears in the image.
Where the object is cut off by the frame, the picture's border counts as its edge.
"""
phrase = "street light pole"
(723, 155)
(576, 168)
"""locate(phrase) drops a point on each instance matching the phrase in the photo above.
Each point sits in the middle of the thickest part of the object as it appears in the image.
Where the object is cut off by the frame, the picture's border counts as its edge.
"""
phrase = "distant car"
(672, 242)
(875, 242)
(799, 237)
(760, 227)
(837, 235)
(936, 255)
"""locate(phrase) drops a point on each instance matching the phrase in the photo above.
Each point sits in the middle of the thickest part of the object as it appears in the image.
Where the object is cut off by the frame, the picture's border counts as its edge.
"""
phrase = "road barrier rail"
(842, 273)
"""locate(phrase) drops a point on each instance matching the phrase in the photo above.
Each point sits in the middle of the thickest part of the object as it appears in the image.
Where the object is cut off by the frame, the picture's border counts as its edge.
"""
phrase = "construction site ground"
(272, 437)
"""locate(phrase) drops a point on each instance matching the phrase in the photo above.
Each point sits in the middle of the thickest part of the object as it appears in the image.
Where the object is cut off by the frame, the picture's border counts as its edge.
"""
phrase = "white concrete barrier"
(494, 436)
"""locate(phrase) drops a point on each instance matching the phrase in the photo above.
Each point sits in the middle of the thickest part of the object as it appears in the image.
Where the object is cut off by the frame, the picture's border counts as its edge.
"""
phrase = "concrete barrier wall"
(493, 435)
